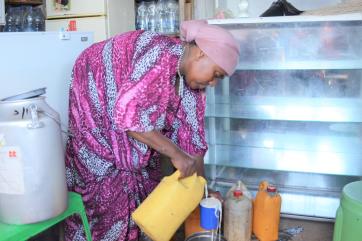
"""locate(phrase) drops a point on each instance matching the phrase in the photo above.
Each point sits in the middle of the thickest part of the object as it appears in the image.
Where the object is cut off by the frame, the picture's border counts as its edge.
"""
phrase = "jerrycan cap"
(237, 193)
(271, 188)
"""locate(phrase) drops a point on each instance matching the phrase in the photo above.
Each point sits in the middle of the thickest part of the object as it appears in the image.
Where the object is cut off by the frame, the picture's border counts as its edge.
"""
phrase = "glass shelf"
(313, 44)
(301, 65)
(284, 145)
(306, 95)
(284, 135)
(302, 193)
(285, 160)
(285, 108)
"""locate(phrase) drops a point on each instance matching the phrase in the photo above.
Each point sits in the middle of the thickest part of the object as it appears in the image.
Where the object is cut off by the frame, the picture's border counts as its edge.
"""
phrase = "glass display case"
(292, 111)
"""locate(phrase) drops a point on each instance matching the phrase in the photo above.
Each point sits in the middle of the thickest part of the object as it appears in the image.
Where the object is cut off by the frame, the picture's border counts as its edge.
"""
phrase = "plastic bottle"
(192, 223)
(172, 16)
(266, 218)
(161, 18)
(19, 18)
(243, 9)
(28, 19)
(141, 22)
(237, 214)
(9, 20)
(39, 20)
(152, 16)
(14, 20)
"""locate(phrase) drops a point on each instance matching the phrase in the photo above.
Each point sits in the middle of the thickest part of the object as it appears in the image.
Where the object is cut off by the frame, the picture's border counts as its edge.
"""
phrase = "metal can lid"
(271, 188)
(237, 193)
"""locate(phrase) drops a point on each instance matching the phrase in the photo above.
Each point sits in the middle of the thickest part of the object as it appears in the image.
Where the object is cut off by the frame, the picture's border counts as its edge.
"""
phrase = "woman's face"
(200, 70)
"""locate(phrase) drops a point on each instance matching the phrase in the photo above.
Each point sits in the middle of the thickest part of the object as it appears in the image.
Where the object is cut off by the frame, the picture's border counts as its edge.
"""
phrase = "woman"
(133, 97)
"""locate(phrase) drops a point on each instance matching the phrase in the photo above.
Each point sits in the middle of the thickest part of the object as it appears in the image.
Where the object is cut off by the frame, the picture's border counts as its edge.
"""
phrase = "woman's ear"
(199, 54)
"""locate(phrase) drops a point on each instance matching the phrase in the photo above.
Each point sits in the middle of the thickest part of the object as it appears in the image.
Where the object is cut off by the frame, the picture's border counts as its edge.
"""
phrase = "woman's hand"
(185, 164)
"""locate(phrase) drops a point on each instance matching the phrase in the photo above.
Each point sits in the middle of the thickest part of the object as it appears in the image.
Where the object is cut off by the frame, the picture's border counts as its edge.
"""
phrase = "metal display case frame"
(309, 146)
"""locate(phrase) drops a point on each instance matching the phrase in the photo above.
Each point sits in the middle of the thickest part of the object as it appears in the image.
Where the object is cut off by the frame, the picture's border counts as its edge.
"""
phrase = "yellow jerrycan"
(266, 215)
(166, 208)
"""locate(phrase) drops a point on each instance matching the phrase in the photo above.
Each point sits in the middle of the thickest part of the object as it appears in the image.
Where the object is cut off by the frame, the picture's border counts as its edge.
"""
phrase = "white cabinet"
(96, 24)
(77, 8)
(104, 18)
(2, 12)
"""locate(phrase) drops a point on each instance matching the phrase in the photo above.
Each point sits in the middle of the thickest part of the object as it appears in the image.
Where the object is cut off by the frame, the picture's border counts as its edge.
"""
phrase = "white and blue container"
(210, 213)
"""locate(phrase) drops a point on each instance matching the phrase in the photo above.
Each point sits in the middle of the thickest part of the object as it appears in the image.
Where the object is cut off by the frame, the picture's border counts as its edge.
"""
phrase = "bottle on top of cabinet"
(266, 217)
(142, 16)
(238, 213)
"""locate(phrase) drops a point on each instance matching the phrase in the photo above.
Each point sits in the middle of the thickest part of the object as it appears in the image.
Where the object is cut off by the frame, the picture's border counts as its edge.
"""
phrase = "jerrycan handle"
(176, 177)
(187, 180)
(263, 186)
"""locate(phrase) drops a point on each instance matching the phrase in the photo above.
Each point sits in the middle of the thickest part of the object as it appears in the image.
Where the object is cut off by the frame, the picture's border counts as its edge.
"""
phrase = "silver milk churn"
(32, 169)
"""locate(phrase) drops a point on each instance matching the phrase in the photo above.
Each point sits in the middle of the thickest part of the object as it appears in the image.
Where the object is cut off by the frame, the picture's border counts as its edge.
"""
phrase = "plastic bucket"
(349, 214)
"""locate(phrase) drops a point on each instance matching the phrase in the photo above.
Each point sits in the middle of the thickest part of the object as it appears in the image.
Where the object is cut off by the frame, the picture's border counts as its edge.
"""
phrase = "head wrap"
(217, 43)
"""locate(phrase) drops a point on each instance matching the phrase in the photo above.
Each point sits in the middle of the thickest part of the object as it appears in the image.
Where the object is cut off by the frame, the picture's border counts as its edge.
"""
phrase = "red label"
(12, 154)
(72, 25)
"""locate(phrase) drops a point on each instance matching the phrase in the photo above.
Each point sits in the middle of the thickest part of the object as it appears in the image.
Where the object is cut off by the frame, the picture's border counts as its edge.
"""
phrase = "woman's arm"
(200, 166)
(186, 164)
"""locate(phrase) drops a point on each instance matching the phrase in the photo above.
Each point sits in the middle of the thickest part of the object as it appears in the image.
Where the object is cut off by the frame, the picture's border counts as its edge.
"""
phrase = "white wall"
(206, 8)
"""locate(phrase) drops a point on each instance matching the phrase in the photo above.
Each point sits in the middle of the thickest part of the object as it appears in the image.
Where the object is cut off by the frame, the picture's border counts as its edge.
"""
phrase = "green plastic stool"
(23, 232)
(348, 226)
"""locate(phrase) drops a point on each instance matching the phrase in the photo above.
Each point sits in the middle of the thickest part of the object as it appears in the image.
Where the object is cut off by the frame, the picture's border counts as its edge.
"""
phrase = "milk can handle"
(35, 123)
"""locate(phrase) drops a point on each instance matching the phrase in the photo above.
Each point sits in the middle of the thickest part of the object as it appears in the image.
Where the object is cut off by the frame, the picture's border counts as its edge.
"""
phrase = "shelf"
(305, 194)
(285, 160)
(288, 108)
(301, 65)
(320, 206)
(287, 19)
(303, 141)
(25, 2)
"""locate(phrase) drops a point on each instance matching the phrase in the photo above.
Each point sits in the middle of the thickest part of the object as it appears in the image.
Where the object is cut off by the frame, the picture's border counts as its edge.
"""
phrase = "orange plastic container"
(266, 209)
(192, 223)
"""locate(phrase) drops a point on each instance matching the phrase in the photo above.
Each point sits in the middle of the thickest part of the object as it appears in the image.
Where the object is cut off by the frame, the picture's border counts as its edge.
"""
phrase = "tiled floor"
(312, 230)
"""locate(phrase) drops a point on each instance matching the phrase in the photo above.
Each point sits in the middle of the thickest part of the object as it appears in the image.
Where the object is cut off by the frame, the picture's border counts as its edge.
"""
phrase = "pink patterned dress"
(125, 83)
